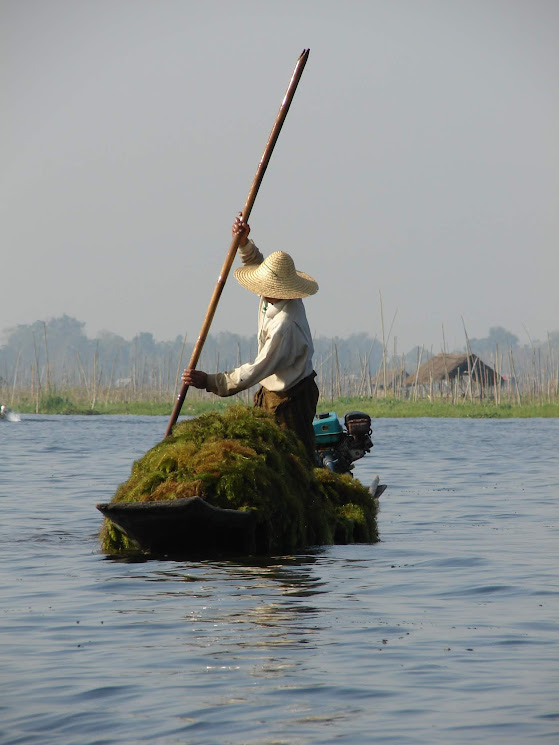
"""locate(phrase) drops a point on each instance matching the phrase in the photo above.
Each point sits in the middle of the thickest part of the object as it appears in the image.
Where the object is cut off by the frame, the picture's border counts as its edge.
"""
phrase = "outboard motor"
(337, 447)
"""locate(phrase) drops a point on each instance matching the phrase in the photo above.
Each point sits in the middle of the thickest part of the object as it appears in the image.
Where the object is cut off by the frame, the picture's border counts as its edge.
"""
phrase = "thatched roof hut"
(450, 366)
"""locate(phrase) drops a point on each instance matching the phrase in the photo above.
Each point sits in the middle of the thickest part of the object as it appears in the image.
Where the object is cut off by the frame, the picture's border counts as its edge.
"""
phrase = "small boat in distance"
(8, 414)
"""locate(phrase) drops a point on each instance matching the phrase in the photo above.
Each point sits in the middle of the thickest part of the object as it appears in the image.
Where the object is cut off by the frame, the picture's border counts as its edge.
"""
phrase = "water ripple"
(443, 632)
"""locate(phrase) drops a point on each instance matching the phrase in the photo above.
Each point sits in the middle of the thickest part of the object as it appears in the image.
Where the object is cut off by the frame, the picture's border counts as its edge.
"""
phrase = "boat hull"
(184, 527)
(193, 528)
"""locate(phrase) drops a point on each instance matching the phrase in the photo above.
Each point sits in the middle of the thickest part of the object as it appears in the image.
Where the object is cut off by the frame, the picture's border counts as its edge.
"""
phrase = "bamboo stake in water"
(417, 373)
(38, 375)
(15, 378)
(383, 347)
(261, 170)
(447, 379)
(47, 357)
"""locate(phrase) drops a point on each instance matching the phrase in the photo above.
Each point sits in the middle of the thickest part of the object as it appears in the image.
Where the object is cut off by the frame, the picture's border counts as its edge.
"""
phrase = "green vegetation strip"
(242, 460)
(74, 403)
(397, 408)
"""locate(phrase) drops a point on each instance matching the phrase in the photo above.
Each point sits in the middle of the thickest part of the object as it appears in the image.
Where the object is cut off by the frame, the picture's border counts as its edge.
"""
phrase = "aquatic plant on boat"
(241, 460)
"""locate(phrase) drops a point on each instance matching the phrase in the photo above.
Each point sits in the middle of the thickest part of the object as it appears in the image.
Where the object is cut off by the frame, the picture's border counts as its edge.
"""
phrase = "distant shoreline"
(375, 407)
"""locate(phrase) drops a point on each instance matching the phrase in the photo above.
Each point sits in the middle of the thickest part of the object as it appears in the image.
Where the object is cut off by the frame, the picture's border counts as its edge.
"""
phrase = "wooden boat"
(191, 526)
(184, 527)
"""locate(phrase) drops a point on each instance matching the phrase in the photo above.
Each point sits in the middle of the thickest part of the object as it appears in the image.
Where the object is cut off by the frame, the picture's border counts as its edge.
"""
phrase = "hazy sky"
(420, 159)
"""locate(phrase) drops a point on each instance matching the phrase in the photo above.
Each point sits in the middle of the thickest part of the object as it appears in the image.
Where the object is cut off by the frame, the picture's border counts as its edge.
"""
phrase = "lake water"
(446, 631)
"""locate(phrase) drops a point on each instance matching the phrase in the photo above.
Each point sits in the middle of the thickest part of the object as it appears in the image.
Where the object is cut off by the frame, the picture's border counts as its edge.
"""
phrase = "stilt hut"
(465, 373)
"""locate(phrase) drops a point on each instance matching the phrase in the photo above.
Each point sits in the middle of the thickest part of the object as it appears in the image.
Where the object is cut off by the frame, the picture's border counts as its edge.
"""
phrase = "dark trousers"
(293, 409)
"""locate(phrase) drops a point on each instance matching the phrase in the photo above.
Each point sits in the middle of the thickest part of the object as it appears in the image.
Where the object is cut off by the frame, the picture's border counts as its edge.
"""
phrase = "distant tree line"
(58, 352)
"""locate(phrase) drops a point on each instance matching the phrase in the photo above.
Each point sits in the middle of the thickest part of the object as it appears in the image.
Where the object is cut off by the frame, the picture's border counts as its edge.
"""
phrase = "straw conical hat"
(276, 277)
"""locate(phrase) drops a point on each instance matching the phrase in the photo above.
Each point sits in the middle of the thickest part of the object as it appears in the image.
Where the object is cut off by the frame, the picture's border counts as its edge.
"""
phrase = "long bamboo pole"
(261, 170)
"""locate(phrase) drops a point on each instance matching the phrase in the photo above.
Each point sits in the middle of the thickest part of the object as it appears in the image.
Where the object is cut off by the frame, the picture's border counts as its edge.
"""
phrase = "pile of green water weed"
(241, 459)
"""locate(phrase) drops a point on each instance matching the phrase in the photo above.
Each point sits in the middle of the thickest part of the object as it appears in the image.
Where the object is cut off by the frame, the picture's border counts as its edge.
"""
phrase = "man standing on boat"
(283, 366)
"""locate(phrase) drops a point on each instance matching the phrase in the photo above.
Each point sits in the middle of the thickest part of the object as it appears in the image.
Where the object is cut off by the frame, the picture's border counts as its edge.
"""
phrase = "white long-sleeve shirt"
(285, 346)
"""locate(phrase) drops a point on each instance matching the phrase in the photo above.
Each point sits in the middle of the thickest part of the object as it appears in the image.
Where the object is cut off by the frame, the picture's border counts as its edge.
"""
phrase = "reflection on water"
(260, 607)
(444, 632)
